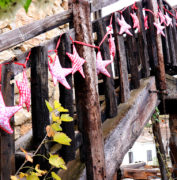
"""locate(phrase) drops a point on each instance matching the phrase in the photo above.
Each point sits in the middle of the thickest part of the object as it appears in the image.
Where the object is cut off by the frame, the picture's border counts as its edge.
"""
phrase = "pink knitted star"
(136, 23)
(101, 65)
(112, 47)
(25, 93)
(5, 115)
(146, 22)
(168, 19)
(58, 73)
(162, 18)
(159, 28)
(124, 27)
(77, 62)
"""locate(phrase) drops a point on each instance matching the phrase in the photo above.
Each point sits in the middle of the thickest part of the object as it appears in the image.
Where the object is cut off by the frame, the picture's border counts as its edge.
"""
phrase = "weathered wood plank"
(66, 98)
(7, 146)
(33, 29)
(142, 41)
(132, 117)
(132, 53)
(120, 50)
(110, 97)
(39, 93)
(87, 102)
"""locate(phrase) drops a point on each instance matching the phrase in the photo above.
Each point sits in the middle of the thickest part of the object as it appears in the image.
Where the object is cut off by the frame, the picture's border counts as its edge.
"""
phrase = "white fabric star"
(124, 27)
(168, 19)
(77, 62)
(5, 115)
(25, 92)
(101, 65)
(159, 28)
(58, 73)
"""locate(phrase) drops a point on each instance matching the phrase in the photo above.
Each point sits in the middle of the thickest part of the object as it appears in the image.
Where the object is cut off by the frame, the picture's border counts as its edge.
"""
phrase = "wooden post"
(173, 142)
(111, 103)
(132, 54)
(7, 146)
(66, 98)
(160, 75)
(87, 101)
(160, 149)
(120, 50)
(142, 41)
(39, 93)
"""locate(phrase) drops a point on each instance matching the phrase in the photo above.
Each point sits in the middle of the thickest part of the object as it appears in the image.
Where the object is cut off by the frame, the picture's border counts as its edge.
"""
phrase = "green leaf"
(56, 161)
(48, 106)
(66, 118)
(55, 176)
(56, 127)
(59, 108)
(62, 138)
(32, 177)
(27, 4)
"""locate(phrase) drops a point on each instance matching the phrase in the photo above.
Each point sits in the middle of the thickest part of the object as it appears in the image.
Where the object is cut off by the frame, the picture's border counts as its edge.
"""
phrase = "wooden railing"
(137, 57)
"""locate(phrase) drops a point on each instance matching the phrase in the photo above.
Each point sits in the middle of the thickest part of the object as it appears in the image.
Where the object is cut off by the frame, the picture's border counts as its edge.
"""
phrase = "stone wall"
(23, 117)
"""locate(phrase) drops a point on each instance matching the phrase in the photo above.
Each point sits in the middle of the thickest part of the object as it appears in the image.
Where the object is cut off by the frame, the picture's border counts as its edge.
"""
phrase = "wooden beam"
(122, 131)
(87, 101)
(24, 33)
(7, 146)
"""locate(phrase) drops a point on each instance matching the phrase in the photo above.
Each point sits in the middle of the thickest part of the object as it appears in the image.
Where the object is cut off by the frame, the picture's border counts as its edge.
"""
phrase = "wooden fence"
(137, 57)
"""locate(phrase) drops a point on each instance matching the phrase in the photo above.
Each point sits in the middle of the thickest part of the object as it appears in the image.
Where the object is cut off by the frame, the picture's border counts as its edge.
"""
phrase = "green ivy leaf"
(55, 176)
(56, 127)
(32, 177)
(27, 4)
(56, 161)
(66, 118)
(62, 138)
(48, 106)
(59, 108)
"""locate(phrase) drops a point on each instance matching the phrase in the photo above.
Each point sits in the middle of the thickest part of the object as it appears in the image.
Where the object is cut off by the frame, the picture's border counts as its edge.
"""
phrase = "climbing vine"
(58, 114)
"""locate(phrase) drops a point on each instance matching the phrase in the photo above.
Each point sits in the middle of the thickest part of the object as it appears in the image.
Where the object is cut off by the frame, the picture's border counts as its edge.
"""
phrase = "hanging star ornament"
(136, 23)
(146, 23)
(124, 27)
(77, 62)
(5, 115)
(159, 28)
(112, 47)
(168, 19)
(58, 73)
(25, 92)
(101, 65)
(162, 18)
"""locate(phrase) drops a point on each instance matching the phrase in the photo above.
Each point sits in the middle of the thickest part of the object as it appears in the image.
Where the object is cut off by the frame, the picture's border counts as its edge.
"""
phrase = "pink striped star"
(162, 18)
(124, 27)
(159, 28)
(77, 62)
(112, 47)
(136, 23)
(146, 22)
(101, 65)
(5, 115)
(168, 19)
(25, 92)
(58, 73)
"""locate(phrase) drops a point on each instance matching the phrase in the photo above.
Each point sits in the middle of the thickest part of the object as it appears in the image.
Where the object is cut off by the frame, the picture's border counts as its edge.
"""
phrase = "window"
(130, 155)
(149, 155)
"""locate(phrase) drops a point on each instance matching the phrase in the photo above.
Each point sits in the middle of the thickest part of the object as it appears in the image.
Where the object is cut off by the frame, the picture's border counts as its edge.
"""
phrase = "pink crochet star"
(136, 23)
(159, 28)
(77, 62)
(146, 22)
(5, 115)
(112, 47)
(25, 93)
(168, 19)
(124, 27)
(58, 73)
(101, 65)
(162, 18)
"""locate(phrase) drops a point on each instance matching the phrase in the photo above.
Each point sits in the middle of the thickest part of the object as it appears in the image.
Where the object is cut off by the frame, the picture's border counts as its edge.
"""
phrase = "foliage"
(54, 134)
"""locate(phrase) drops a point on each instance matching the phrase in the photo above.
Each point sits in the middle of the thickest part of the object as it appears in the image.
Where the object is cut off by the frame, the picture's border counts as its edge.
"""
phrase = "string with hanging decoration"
(59, 73)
